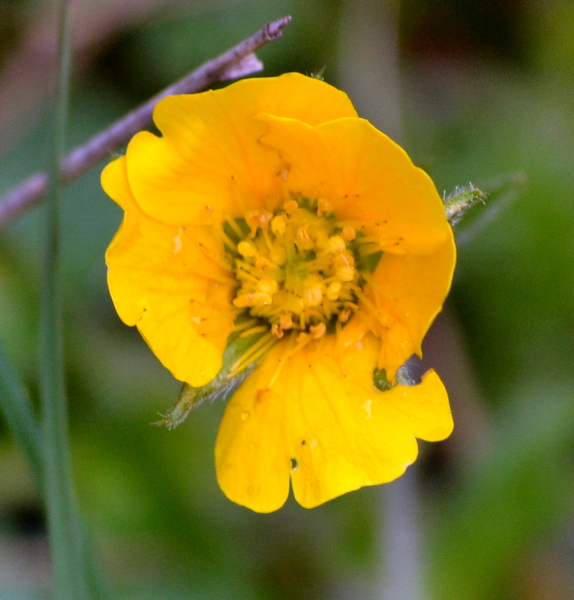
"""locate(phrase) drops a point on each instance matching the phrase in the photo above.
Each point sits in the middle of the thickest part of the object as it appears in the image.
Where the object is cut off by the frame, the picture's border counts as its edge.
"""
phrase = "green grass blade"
(19, 414)
(75, 577)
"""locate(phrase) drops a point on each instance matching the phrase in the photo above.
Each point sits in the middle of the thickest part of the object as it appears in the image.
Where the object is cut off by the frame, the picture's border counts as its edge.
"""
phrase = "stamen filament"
(254, 330)
(220, 261)
(281, 361)
(304, 339)
(233, 224)
(245, 325)
(355, 224)
(369, 239)
(267, 240)
(371, 307)
(252, 354)
(248, 271)
(218, 278)
(339, 347)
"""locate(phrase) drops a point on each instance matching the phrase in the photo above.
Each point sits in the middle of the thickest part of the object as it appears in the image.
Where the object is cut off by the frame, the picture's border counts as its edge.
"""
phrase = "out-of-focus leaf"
(19, 414)
(522, 488)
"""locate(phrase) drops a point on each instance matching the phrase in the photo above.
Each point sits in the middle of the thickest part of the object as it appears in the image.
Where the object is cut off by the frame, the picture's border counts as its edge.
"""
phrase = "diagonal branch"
(236, 62)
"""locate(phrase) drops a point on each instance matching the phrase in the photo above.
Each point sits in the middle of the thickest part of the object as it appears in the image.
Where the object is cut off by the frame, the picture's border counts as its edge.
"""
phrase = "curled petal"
(405, 295)
(368, 179)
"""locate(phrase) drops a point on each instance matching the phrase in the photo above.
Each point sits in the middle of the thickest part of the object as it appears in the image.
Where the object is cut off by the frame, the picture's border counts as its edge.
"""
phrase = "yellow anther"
(262, 263)
(285, 321)
(318, 331)
(258, 218)
(298, 305)
(261, 299)
(313, 296)
(302, 337)
(344, 258)
(323, 206)
(246, 249)
(303, 235)
(336, 244)
(296, 269)
(290, 206)
(321, 239)
(278, 225)
(253, 299)
(268, 286)
(243, 301)
(333, 290)
(345, 273)
(276, 331)
(344, 315)
(349, 233)
(278, 255)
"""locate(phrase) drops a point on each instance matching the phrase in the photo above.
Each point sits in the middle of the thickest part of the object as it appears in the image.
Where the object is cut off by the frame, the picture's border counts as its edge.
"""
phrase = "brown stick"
(237, 62)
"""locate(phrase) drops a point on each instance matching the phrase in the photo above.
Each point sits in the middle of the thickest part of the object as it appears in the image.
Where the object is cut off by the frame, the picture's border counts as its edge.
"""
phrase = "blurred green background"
(476, 90)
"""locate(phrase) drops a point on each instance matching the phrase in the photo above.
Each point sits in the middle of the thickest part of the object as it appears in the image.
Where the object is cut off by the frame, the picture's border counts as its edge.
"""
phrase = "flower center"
(297, 268)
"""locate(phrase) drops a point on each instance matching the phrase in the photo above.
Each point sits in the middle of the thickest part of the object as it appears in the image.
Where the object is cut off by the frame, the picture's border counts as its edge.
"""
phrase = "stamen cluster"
(296, 268)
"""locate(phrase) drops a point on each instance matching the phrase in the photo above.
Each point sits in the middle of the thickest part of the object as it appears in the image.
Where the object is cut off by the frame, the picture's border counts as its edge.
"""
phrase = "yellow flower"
(271, 212)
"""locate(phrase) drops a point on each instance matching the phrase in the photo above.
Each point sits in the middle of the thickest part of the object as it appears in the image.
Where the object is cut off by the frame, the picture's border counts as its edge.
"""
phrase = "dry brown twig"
(236, 62)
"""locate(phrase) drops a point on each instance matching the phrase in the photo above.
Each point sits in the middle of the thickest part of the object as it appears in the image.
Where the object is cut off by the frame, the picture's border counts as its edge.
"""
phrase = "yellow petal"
(171, 283)
(407, 292)
(252, 458)
(367, 178)
(339, 431)
(209, 161)
(115, 183)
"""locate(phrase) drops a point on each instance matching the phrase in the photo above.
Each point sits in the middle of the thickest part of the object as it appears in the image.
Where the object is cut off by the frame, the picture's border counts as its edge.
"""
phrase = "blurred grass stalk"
(74, 575)
(370, 72)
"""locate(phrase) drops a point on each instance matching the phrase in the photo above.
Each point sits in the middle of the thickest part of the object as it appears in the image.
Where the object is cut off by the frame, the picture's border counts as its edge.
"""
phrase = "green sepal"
(460, 200)
(319, 73)
(459, 204)
(222, 387)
